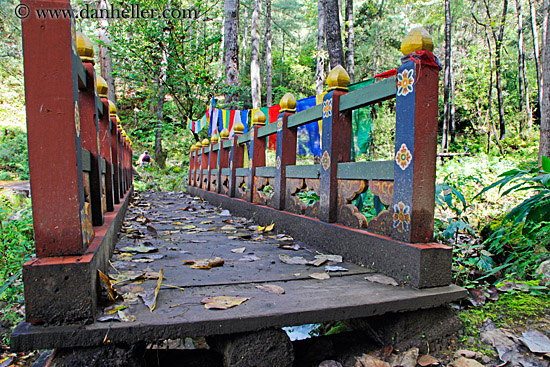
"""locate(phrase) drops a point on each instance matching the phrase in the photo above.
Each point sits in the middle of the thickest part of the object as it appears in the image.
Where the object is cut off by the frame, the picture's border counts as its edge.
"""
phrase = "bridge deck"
(186, 228)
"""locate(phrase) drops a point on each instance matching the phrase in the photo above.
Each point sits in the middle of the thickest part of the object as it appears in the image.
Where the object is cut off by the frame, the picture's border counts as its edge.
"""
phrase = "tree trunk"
(231, 42)
(160, 155)
(255, 56)
(350, 38)
(544, 146)
(536, 52)
(320, 72)
(268, 59)
(521, 67)
(333, 34)
(104, 55)
(447, 83)
(245, 37)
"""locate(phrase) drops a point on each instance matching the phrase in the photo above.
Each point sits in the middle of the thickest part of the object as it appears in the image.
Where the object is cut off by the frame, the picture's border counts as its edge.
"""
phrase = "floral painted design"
(327, 108)
(325, 160)
(405, 82)
(250, 163)
(252, 134)
(278, 163)
(279, 124)
(401, 216)
(403, 157)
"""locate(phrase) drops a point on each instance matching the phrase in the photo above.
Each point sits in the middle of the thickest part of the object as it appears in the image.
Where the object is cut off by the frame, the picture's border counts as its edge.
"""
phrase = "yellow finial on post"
(101, 86)
(288, 103)
(112, 108)
(205, 142)
(214, 138)
(258, 118)
(338, 78)
(193, 147)
(198, 145)
(224, 134)
(417, 39)
(84, 47)
(238, 128)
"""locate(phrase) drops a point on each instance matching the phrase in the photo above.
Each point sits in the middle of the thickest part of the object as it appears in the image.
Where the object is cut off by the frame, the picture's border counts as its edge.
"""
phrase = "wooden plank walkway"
(185, 228)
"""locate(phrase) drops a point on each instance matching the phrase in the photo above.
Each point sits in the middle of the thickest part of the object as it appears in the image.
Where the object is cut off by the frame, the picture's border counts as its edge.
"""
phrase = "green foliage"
(308, 197)
(13, 154)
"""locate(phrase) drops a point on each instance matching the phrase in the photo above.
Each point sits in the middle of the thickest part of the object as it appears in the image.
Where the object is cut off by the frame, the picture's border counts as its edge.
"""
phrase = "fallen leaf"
(142, 249)
(152, 231)
(224, 213)
(292, 260)
(330, 363)
(476, 297)
(114, 309)
(271, 288)
(125, 316)
(239, 250)
(382, 279)
(189, 226)
(178, 224)
(111, 317)
(222, 302)
(128, 276)
(143, 260)
(331, 258)
(293, 247)
(112, 291)
(335, 268)
(198, 241)
(428, 360)
(317, 262)
(207, 222)
(228, 228)
(205, 263)
(268, 228)
(536, 341)
(407, 359)
(320, 276)
(466, 362)
(249, 258)
(370, 361)
(464, 353)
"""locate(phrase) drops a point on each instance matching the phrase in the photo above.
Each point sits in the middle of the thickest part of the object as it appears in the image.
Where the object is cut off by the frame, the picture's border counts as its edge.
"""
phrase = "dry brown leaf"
(271, 288)
(239, 250)
(382, 279)
(292, 260)
(112, 291)
(369, 361)
(189, 226)
(320, 276)
(228, 228)
(290, 246)
(205, 263)
(268, 228)
(428, 360)
(207, 222)
(222, 302)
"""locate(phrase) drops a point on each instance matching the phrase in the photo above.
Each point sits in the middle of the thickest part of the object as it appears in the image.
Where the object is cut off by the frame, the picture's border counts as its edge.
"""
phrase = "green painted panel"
(378, 170)
(306, 171)
(214, 172)
(103, 165)
(99, 106)
(305, 116)
(265, 171)
(204, 171)
(267, 130)
(370, 94)
(227, 143)
(206, 150)
(244, 138)
(86, 160)
(241, 172)
(226, 171)
(215, 147)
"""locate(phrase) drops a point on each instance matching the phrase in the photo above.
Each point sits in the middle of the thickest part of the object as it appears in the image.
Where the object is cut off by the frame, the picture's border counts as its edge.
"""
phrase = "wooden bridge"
(81, 183)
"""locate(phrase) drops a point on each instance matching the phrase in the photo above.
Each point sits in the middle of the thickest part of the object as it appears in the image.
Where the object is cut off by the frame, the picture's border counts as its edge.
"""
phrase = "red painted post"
(415, 140)
(61, 226)
(89, 127)
(204, 162)
(286, 149)
(105, 142)
(257, 152)
(212, 159)
(114, 150)
(336, 143)
(223, 159)
(198, 163)
(237, 156)
(191, 171)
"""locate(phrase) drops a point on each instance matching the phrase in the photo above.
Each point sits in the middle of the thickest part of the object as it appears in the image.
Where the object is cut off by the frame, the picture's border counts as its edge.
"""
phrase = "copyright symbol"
(22, 11)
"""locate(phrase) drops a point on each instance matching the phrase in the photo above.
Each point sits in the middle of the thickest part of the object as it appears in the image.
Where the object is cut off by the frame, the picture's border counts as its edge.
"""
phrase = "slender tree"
(104, 54)
(333, 33)
(544, 145)
(521, 68)
(320, 71)
(231, 43)
(255, 56)
(268, 58)
(350, 39)
(536, 51)
(447, 84)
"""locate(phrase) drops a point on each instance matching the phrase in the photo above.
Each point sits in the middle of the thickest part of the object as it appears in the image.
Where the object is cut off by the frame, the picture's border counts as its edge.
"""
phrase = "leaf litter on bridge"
(168, 236)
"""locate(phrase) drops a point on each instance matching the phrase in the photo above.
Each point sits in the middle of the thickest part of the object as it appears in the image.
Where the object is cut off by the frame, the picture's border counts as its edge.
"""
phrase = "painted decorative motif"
(405, 82)
(259, 196)
(382, 223)
(86, 224)
(348, 214)
(403, 157)
(250, 163)
(293, 202)
(77, 119)
(279, 124)
(327, 108)
(325, 160)
(401, 216)
(382, 189)
(278, 163)
(252, 134)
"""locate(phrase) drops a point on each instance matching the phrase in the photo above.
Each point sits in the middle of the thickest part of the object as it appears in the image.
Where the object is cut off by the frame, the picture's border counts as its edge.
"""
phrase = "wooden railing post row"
(114, 150)
(89, 127)
(223, 159)
(336, 142)
(198, 164)
(191, 171)
(285, 151)
(105, 142)
(415, 140)
(256, 152)
(212, 159)
(124, 164)
(237, 156)
(53, 127)
(120, 158)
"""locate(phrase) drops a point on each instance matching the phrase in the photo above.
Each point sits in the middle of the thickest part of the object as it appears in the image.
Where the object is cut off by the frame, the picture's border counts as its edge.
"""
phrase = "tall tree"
(160, 155)
(447, 85)
(106, 62)
(333, 33)
(544, 145)
(255, 56)
(231, 44)
(268, 58)
(522, 81)
(320, 71)
(536, 51)
(245, 37)
(350, 39)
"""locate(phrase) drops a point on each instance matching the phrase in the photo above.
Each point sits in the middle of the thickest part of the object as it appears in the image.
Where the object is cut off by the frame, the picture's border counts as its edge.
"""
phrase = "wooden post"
(61, 225)
(114, 150)
(237, 156)
(105, 142)
(198, 160)
(286, 149)
(336, 141)
(204, 161)
(257, 152)
(212, 159)
(191, 172)
(89, 127)
(415, 140)
(223, 159)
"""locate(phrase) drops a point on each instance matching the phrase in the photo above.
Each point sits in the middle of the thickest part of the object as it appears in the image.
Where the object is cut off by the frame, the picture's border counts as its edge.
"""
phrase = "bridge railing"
(403, 188)
(80, 163)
